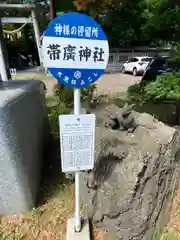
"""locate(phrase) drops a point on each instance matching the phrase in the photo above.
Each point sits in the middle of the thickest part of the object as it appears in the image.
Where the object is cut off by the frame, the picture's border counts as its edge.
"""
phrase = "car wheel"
(135, 72)
(123, 70)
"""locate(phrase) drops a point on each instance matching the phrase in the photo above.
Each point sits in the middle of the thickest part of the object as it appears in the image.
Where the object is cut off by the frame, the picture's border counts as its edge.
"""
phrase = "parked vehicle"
(159, 66)
(136, 65)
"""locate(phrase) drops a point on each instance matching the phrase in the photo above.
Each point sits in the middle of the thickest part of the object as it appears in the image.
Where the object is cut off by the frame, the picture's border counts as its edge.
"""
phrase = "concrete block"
(83, 235)
(23, 119)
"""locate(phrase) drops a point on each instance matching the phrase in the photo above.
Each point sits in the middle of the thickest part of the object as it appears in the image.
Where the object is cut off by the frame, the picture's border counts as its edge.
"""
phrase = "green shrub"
(176, 56)
(135, 88)
(66, 96)
(136, 93)
(88, 92)
(61, 103)
(166, 87)
(53, 115)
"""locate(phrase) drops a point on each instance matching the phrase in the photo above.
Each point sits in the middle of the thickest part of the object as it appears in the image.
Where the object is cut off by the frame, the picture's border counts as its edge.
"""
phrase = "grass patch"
(33, 76)
(48, 221)
(25, 78)
(39, 78)
(18, 78)
(166, 235)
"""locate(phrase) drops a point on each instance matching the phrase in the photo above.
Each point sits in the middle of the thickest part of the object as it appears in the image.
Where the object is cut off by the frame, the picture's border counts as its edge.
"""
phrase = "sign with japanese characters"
(77, 133)
(75, 50)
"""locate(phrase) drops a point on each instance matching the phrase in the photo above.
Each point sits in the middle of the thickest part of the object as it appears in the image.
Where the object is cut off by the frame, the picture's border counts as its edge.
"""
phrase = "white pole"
(77, 110)
(3, 72)
(37, 35)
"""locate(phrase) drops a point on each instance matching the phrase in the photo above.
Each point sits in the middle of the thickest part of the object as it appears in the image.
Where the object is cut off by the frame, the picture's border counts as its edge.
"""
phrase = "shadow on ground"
(53, 180)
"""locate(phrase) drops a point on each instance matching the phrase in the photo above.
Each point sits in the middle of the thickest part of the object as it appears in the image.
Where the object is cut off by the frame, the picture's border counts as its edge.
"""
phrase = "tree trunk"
(52, 9)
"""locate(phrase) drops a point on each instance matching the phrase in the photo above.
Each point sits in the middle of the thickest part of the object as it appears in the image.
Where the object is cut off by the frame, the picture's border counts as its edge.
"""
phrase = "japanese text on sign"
(77, 133)
(69, 53)
(79, 31)
(75, 49)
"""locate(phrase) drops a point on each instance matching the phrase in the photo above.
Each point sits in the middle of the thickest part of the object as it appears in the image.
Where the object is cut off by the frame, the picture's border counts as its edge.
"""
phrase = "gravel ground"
(110, 83)
(115, 83)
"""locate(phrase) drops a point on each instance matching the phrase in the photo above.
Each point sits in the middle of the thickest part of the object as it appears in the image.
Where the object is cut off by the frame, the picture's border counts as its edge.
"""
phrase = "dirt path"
(107, 84)
(115, 83)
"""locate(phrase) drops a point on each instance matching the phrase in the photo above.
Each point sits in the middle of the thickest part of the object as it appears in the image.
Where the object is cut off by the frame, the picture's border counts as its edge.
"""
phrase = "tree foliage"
(165, 88)
(98, 7)
(176, 54)
(120, 19)
(126, 22)
(162, 20)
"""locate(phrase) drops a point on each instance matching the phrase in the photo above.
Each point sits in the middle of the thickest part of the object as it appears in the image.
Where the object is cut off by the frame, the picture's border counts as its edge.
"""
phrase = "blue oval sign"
(75, 50)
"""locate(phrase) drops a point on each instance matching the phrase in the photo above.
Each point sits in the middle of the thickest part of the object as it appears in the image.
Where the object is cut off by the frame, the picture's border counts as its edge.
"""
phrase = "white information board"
(77, 135)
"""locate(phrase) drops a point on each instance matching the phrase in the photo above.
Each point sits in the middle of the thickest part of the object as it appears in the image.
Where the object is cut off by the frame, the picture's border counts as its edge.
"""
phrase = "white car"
(136, 65)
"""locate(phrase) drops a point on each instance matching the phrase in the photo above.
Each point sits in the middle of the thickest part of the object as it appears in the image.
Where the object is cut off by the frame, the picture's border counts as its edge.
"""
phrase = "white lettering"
(95, 32)
(58, 29)
(66, 79)
(90, 79)
(59, 74)
(82, 82)
(73, 82)
(73, 30)
(88, 32)
(66, 30)
(80, 31)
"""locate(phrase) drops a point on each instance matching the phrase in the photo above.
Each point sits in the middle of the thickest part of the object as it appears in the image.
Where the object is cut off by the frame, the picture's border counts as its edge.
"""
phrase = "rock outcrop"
(132, 185)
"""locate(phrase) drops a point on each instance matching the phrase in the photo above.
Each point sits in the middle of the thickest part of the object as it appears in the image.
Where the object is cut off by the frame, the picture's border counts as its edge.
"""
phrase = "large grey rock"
(131, 188)
(23, 119)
